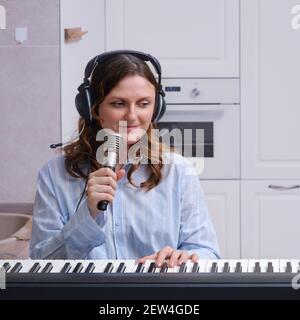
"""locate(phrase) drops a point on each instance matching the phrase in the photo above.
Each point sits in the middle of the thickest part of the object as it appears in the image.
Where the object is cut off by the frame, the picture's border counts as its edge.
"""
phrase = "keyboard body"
(209, 279)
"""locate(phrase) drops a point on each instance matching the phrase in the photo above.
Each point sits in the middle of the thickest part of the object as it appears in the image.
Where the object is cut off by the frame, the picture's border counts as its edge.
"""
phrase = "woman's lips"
(130, 128)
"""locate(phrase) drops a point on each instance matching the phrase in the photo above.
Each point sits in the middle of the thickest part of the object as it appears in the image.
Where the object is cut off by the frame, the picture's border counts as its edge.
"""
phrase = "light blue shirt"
(137, 223)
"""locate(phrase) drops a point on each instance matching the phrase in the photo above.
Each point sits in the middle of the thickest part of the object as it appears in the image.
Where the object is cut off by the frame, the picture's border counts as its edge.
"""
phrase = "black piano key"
(270, 268)
(288, 268)
(90, 268)
(78, 268)
(109, 268)
(226, 267)
(16, 268)
(257, 267)
(66, 268)
(48, 267)
(121, 267)
(214, 267)
(35, 268)
(152, 267)
(238, 267)
(140, 268)
(6, 266)
(182, 268)
(164, 267)
(195, 267)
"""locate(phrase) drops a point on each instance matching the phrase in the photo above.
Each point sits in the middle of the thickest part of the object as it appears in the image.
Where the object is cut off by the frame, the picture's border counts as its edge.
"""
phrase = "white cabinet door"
(270, 95)
(75, 55)
(270, 219)
(223, 201)
(193, 38)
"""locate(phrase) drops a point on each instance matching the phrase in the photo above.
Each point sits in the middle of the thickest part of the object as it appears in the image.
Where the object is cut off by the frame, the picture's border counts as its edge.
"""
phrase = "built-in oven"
(207, 114)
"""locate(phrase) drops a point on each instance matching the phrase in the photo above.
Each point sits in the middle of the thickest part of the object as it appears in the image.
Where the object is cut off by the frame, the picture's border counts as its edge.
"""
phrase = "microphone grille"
(113, 141)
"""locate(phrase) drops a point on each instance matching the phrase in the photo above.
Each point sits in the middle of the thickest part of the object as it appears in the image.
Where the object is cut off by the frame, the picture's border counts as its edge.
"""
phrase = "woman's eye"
(144, 104)
(118, 104)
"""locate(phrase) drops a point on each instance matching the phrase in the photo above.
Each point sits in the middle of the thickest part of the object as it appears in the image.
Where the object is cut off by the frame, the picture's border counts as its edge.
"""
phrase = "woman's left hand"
(174, 257)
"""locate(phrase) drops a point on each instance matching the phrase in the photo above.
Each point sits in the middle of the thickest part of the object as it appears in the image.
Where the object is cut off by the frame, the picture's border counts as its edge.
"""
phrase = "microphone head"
(109, 152)
(113, 141)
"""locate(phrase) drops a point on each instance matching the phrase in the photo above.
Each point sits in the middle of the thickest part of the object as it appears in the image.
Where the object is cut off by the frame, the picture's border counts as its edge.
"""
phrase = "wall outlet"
(21, 34)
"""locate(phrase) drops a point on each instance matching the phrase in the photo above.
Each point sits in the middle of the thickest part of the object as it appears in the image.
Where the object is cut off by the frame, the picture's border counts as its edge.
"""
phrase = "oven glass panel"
(194, 145)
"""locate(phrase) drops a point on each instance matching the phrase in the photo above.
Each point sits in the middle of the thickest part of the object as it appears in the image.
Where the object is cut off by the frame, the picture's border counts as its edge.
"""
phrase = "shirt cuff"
(82, 231)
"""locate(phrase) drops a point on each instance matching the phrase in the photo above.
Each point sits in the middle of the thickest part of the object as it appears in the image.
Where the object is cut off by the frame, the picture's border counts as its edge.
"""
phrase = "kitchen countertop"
(14, 249)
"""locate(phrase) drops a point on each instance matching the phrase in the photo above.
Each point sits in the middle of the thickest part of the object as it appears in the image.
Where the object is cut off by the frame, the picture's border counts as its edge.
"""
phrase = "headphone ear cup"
(84, 102)
(160, 108)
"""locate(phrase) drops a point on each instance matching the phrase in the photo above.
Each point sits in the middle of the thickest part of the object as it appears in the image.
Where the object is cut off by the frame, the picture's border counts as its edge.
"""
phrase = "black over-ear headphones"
(85, 97)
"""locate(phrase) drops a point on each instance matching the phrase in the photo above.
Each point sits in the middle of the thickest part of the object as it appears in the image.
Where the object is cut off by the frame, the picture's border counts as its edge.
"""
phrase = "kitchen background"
(236, 63)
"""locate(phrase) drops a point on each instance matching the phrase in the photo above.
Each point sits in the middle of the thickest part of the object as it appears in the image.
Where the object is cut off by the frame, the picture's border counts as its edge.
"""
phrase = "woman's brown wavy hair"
(79, 153)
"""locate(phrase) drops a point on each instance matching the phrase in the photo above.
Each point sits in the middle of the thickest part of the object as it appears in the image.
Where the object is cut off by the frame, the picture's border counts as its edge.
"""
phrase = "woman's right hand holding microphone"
(102, 185)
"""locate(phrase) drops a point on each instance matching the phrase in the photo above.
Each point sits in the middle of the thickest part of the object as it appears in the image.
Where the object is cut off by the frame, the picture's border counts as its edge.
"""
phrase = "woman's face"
(131, 100)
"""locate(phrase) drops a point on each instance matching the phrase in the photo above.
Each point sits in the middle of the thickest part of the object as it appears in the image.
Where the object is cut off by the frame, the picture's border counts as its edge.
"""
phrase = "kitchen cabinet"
(270, 113)
(270, 92)
(194, 38)
(270, 219)
(223, 202)
(75, 55)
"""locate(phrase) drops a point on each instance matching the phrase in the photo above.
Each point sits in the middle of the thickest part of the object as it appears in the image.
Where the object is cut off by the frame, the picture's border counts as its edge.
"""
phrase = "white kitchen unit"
(270, 219)
(223, 201)
(194, 38)
(270, 113)
(75, 55)
(270, 94)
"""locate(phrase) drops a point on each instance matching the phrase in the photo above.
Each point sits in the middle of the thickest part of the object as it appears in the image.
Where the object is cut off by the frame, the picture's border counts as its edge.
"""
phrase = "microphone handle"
(102, 205)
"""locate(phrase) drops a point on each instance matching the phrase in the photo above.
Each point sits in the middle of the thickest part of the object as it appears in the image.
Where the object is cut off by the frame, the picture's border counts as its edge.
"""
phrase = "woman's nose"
(131, 113)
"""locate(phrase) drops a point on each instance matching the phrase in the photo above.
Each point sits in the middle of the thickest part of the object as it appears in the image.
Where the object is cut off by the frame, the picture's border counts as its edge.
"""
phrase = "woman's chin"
(131, 142)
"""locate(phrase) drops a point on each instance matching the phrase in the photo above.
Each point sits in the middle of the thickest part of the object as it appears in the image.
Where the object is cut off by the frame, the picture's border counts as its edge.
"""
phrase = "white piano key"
(294, 264)
(100, 265)
(173, 269)
(202, 265)
(28, 264)
(57, 265)
(245, 265)
(209, 263)
(75, 262)
(189, 266)
(12, 262)
(232, 264)
(220, 264)
(147, 265)
(131, 265)
(264, 264)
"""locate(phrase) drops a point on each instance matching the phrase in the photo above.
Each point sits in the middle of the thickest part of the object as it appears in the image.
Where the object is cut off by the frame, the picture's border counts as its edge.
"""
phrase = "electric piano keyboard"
(125, 279)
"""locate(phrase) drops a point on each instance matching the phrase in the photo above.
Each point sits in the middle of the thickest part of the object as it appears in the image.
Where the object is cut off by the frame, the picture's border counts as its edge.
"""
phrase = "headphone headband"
(106, 55)
(84, 99)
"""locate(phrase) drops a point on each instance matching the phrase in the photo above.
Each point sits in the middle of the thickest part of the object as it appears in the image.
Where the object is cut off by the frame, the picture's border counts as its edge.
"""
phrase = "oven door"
(215, 134)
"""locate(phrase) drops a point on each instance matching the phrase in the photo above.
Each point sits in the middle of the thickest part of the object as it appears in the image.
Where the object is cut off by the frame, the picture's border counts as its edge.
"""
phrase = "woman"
(156, 208)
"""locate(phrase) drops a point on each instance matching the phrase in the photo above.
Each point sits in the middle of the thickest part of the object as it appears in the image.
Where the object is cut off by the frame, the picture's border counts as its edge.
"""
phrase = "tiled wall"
(29, 95)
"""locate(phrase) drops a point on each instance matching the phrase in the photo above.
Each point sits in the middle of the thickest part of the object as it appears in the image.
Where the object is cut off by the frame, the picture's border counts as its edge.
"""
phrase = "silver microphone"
(110, 159)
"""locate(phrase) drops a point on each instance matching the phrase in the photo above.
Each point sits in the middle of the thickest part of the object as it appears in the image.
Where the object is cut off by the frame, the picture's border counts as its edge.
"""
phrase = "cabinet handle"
(272, 186)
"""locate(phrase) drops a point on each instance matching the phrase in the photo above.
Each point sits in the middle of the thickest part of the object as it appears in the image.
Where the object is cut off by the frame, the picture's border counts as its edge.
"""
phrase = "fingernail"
(171, 264)
(159, 264)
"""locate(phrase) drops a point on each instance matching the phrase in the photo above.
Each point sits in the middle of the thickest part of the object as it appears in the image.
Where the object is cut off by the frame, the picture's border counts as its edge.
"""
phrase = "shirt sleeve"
(197, 234)
(54, 236)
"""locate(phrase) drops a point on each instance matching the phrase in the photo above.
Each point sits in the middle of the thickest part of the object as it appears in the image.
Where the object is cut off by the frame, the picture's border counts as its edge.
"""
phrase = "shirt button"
(117, 224)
